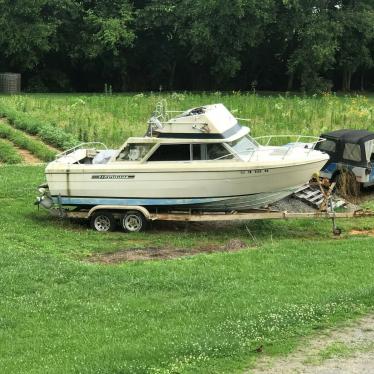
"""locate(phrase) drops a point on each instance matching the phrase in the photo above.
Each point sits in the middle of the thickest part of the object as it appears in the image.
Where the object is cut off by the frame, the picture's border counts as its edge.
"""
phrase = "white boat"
(200, 159)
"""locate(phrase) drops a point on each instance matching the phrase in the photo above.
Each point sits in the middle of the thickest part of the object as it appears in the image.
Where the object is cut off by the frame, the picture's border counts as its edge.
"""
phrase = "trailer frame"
(118, 212)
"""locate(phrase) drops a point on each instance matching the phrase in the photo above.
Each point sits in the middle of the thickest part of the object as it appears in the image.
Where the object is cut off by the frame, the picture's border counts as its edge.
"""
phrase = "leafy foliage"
(36, 147)
(8, 153)
(113, 118)
(313, 45)
(47, 132)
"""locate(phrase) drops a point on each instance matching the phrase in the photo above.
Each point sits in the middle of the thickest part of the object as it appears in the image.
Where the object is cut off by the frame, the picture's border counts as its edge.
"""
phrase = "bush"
(36, 147)
(8, 154)
(52, 135)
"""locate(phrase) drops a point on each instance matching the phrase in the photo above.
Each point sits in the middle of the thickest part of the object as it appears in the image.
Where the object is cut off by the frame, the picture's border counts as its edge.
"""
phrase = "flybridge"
(206, 122)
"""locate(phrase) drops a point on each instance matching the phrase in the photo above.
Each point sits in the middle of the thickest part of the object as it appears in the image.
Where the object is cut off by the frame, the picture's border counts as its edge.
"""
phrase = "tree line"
(81, 45)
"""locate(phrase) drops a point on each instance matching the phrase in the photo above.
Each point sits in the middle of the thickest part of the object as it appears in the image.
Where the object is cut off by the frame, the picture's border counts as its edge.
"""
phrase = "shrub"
(8, 154)
(19, 138)
(47, 132)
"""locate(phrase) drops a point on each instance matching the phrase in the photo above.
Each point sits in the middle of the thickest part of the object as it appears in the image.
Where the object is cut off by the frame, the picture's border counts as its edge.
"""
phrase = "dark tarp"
(342, 137)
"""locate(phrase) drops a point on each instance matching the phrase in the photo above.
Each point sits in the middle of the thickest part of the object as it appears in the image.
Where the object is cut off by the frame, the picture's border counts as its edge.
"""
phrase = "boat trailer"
(135, 218)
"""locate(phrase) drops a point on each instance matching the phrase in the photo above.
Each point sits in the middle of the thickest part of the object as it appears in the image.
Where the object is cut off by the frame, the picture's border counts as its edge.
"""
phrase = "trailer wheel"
(103, 221)
(133, 221)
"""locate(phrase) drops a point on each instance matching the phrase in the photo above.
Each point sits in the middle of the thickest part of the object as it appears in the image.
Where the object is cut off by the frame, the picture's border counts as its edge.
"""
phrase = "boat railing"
(305, 141)
(79, 146)
(299, 138)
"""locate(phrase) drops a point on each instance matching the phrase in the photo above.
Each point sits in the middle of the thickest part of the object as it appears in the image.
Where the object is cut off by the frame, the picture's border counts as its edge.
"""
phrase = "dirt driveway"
(348, 350)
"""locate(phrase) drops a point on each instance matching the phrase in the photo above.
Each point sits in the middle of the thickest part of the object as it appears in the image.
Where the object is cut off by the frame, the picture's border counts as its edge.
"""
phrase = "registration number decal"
(254, 171)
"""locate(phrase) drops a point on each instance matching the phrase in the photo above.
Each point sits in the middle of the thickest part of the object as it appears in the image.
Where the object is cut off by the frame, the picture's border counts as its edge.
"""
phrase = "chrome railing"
(297, 137)
(283, 149)
(79, 146)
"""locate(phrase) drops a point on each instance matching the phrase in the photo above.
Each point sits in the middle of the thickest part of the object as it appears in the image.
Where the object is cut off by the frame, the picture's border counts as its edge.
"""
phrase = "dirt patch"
(34, 137)
(51, 147)
(362, 232)
(28, 157)
(339, 351)
(156, 253)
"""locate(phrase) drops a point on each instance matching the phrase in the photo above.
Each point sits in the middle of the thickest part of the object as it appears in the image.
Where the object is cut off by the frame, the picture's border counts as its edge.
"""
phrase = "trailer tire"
(103, 221)
(133, 221)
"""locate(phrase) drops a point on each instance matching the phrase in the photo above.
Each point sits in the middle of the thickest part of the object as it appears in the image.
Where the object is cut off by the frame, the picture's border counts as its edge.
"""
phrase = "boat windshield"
(134, 151)
(244, 146)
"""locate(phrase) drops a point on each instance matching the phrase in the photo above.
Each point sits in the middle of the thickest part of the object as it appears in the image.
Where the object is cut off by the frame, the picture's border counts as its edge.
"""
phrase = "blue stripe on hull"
(126, 201)
(252, 201)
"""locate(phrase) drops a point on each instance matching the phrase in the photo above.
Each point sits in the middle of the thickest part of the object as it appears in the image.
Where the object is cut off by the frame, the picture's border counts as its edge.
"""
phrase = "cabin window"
(216, 151)
(189, 152)
(352, 152)
(196, 152)
(327, 146)
(243, 145)
(134, 152)
(171, 152)
(212, 151)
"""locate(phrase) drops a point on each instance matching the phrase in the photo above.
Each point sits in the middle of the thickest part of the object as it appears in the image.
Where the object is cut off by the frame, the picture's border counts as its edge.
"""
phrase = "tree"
(313, 32)
(356, 40)
(99, 37)
(220, 32)
(26, 32)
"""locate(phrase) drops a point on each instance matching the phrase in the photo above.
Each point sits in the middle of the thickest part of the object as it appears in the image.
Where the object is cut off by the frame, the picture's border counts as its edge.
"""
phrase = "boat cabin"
(206, 133)
(182, 150)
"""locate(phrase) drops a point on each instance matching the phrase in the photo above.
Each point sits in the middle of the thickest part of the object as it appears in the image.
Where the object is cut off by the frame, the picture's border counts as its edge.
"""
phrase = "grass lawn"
(200, 314)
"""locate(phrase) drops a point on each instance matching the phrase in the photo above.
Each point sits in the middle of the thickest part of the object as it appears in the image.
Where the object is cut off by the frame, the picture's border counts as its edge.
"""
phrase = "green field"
(60, 313)
(206, 313)
(113, 118)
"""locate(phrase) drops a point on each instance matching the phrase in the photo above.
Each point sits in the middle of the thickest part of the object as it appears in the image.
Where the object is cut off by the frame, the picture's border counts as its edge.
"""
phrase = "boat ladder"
(315, 196)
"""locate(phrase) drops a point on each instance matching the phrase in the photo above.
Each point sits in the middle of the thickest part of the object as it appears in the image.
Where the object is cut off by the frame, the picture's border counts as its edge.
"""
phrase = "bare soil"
(28, 157)
(144, 254)
(362, 232)
(348, 350)
(35, 137)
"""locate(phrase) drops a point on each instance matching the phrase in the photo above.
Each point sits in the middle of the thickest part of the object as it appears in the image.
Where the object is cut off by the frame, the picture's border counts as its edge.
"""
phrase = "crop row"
(113, 118)
(8, 154)
(36, 147)
(50, 134)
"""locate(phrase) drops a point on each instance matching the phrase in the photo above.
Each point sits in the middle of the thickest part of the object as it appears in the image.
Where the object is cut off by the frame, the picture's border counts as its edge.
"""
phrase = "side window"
(327, 146)
(171, 152)
(134, 152)
(369, 150)
(196, 152)
(218, 151)
(352, 152)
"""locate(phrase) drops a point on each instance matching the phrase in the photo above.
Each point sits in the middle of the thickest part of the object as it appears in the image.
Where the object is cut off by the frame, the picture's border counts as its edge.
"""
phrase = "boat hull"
(228, 203)
(233, 187)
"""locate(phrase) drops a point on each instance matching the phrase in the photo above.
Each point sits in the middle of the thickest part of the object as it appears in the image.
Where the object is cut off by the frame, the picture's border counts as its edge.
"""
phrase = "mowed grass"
(201, 314)
(113, 118)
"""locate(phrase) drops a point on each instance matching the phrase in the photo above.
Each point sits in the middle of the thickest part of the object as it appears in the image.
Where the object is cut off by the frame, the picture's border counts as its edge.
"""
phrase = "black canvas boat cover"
(349, 136)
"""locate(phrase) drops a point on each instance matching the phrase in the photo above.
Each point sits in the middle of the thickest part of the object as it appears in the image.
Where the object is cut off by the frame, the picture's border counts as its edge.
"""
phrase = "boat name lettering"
(255, 171)
(115, 176)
